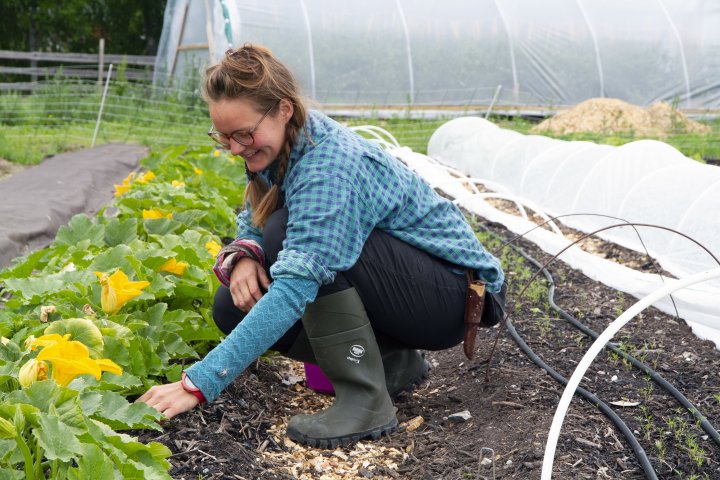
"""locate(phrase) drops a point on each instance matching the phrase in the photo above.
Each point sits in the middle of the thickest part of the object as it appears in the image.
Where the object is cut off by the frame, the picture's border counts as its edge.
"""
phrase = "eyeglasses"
(243, 137)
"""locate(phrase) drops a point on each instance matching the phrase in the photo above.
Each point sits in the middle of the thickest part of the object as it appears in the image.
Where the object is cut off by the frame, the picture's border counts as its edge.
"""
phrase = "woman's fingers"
(170, 399)
(247, 281)
(262, 276)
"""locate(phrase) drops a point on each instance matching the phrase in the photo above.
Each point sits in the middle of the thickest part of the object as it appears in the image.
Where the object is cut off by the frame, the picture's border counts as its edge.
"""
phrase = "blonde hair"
(254, 73)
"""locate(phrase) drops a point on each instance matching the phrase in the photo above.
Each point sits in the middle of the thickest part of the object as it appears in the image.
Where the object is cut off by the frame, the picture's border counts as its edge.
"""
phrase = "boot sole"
(342, 441)
(414, 383)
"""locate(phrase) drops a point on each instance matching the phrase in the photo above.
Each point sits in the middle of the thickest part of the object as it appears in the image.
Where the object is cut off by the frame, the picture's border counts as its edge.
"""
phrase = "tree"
(128, 26)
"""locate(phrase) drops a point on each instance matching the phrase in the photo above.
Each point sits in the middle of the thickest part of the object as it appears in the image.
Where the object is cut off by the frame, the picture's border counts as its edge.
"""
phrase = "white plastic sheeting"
(457, 52)
(644, 182)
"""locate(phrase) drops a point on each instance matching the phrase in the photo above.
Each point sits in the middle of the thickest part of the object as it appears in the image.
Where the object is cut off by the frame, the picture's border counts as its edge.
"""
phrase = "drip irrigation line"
(656, 377)
(542, 268)
(604, 408)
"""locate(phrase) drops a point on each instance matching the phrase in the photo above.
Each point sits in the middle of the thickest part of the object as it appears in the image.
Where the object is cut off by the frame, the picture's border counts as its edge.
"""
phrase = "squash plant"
(117, 303)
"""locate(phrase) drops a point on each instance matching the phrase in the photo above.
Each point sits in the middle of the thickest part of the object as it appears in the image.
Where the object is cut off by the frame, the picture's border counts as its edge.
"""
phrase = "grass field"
(62, 116)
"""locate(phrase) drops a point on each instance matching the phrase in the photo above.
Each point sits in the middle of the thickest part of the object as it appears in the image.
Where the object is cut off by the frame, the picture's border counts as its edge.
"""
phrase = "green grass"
(62, 116)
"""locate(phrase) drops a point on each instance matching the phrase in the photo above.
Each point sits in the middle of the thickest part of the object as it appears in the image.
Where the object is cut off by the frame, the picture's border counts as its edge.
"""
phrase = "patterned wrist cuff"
(230, 254)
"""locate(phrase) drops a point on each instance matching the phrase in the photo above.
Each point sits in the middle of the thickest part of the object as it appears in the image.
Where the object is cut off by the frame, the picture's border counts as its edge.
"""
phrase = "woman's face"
(242, 115)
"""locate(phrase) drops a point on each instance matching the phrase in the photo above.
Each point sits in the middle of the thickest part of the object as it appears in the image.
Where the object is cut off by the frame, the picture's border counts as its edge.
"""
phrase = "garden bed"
(242, 434)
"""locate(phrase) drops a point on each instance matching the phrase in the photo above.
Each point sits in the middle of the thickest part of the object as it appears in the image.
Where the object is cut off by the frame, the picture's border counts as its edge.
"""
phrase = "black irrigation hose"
(682, 399)
(640, 454)
(637, 448)
(609, 412)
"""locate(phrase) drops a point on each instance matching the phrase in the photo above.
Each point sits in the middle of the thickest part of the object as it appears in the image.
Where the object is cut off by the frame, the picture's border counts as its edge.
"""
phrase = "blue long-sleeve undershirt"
(267, 321)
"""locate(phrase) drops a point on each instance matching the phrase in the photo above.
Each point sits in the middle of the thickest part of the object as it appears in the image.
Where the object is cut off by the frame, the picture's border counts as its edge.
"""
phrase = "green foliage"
(128, 26)
(72, 432)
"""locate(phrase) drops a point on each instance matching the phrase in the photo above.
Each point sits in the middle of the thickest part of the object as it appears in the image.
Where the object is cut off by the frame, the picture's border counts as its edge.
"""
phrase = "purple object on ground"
(316, 380)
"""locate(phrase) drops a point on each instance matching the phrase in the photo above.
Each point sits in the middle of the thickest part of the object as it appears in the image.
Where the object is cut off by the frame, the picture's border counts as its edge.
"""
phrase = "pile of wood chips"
(613, 116)
(361, 461)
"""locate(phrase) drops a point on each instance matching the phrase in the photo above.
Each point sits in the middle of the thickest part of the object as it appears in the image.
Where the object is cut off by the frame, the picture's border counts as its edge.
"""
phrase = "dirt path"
(242, 435)
(36, 201)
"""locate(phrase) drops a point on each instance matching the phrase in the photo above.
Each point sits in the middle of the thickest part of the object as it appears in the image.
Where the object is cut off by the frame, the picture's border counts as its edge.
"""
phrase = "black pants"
(411, 298)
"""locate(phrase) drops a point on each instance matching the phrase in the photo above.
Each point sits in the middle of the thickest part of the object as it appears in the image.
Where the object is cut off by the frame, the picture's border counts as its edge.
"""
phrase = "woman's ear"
(286, 109)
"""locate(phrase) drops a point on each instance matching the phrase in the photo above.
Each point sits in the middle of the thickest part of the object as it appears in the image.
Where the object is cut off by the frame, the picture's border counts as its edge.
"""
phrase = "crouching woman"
(344, 258)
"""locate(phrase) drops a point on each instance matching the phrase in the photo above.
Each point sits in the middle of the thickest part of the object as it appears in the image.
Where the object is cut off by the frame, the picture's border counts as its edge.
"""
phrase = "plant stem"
(38, 459)
(27, 455)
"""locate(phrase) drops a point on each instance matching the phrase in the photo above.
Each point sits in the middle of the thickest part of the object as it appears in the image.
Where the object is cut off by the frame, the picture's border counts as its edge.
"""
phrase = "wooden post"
(101, 61)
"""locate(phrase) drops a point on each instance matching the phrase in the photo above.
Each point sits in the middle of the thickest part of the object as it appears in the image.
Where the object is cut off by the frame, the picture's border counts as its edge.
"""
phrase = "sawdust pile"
(612, 116)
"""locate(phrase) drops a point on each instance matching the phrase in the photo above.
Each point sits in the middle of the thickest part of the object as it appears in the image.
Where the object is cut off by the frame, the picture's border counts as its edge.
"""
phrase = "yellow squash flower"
(173, 266)
(117, 290)
(198, 171)
(213, 247)
(32, 371)
(216, 153)
(125, 186)
(145, 177)
(70, 358)
(121, 190)
(177, 183)
(152, 214)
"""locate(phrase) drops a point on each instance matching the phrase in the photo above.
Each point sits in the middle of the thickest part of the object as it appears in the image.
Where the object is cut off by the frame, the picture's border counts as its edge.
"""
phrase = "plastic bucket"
(316, 380)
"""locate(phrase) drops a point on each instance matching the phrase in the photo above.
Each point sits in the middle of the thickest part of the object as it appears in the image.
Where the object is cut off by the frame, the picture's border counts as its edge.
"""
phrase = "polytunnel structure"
(463, 52)
(591, 186)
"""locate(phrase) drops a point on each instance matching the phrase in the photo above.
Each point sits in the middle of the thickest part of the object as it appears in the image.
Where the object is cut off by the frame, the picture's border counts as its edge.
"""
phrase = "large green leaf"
(114, 410)
(58, 440)
(174, 346)
(153, 315)
(40, 288)
(80, 228)
(144, 360)
(120, 231)
(10, 474)
(49, 398)
(161, 226)
(93, 463)
(24, 266)
(136, 459)
(112, 259)
(116, 349)
(10, 454)
(10, 352)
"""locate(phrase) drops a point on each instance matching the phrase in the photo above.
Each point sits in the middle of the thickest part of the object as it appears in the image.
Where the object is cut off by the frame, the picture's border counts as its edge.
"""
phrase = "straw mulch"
(613, 116)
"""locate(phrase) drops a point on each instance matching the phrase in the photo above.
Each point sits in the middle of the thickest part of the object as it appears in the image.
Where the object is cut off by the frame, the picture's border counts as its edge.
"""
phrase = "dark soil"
(241, 435)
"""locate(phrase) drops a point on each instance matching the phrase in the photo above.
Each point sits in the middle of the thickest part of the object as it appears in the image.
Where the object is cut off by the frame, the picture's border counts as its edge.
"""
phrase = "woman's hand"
(170, 399)
(247, 282)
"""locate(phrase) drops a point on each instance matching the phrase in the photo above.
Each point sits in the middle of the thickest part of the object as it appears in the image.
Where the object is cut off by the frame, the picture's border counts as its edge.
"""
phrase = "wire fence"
(61, 114)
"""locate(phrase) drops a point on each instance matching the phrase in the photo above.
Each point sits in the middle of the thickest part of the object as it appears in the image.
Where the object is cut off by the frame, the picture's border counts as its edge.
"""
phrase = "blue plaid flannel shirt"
(337, 190)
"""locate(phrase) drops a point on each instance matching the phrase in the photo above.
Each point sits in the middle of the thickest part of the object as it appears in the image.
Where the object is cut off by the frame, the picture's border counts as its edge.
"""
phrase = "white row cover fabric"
(645, 181)
(698, 304)
(459, 52)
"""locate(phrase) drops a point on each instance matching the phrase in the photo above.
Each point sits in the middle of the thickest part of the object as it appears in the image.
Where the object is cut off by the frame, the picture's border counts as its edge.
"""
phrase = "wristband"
(190, 387)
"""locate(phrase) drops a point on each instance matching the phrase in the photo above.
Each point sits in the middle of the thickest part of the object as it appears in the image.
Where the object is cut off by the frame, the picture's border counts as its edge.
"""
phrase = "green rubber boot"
(345, 348)
(404, 368)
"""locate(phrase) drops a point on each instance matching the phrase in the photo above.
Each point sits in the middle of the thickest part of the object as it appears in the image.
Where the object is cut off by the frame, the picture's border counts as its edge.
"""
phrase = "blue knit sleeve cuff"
(267, 321)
